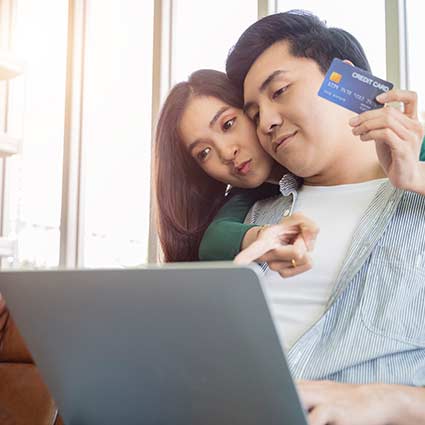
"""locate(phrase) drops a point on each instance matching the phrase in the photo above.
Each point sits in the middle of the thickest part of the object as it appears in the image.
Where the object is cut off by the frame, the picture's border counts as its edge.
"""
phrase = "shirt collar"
(289, 184)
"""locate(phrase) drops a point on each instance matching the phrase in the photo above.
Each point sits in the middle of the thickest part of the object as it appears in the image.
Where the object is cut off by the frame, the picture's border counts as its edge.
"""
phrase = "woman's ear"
(349, 62)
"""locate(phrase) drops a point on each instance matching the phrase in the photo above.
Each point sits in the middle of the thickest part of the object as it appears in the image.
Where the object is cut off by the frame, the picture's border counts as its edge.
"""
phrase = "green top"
(223, 238)
(422, 155)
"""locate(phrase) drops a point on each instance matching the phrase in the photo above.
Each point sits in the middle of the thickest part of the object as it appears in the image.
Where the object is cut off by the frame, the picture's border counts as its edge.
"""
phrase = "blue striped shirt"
(373, 328)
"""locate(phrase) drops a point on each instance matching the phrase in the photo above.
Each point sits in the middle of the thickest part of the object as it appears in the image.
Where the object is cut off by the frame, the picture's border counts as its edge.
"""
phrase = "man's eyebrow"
(217, 115)
(264, 85)
(270, 78)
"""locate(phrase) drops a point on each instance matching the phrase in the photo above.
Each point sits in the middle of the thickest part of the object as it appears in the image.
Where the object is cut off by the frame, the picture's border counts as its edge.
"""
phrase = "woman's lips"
(244, 168)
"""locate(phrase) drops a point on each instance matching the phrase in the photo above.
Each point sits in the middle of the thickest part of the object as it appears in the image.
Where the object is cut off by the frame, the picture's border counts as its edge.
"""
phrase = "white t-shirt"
(298, 302)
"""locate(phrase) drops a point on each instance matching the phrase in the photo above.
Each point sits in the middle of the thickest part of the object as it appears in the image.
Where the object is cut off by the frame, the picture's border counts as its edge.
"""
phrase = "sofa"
(24, 398)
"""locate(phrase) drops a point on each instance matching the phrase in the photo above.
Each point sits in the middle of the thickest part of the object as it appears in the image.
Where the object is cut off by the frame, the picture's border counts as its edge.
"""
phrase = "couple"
(354, 321)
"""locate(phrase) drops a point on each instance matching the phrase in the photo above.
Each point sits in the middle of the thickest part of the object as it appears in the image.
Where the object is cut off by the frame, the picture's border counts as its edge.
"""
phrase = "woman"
(204, 142)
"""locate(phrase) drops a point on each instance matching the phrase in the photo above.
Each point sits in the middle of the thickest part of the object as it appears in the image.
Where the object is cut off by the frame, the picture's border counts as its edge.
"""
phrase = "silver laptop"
(175, 345)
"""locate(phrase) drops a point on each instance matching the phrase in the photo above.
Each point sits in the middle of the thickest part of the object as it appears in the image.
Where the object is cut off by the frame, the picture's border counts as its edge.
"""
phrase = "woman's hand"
(284, 246)
(398, 138)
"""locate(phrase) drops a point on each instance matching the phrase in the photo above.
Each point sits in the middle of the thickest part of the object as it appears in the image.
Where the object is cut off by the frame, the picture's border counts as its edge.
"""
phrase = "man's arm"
(411, 402)
(372, 404)
(398, 136)
(226, 234)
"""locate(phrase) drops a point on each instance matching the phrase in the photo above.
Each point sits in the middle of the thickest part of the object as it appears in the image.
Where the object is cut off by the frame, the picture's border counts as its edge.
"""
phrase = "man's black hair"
(307, 35)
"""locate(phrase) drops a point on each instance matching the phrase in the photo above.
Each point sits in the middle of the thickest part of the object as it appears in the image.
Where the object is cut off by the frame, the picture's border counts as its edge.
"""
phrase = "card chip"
(335, 77)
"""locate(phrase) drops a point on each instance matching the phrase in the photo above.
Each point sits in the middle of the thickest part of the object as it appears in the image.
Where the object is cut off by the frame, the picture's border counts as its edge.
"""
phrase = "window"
(416, 60)
(354, 19)
(36, 114)
(204, 32)
(116, 133)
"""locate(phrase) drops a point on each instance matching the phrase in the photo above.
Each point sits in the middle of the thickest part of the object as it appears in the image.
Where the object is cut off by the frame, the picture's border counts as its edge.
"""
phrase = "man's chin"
(299, 170)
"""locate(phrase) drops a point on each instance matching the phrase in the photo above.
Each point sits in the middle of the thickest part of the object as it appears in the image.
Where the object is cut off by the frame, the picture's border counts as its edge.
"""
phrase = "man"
(358, 316)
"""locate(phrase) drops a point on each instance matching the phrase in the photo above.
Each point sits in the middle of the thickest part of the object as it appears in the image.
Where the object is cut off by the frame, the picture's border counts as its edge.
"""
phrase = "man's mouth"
(282, 140)
(243, 168)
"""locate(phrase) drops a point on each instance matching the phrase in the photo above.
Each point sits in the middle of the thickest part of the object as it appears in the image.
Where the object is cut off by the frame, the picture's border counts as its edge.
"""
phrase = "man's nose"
(270, 121)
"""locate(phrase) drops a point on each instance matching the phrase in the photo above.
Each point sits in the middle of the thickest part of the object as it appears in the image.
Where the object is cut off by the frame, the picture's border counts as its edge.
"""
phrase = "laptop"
(179, 344)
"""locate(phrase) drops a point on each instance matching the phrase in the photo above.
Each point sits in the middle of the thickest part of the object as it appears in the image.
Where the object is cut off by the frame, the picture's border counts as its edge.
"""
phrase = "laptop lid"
(176, 344)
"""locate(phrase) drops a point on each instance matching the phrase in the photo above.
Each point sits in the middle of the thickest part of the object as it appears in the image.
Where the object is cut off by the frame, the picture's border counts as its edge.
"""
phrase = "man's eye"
(202, 156)
(229, 124)
(277, 93)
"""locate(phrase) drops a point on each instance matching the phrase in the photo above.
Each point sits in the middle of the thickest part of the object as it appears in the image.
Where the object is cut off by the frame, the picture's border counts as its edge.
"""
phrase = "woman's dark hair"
(307, 35)
(187, 198)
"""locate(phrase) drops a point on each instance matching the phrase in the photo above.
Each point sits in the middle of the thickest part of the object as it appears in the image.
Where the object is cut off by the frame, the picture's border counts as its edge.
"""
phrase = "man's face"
(299, 129)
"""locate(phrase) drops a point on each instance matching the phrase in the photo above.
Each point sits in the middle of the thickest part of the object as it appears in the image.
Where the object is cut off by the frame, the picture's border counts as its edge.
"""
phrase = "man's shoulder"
(270, 210)
(407, 226)
(412, 204)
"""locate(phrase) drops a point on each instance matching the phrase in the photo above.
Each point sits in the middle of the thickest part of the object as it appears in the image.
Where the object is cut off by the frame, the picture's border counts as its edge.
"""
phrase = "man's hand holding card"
(397, 133)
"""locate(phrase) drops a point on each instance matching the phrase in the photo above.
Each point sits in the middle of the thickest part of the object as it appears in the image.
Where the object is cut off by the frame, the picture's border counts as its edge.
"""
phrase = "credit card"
(352, 87)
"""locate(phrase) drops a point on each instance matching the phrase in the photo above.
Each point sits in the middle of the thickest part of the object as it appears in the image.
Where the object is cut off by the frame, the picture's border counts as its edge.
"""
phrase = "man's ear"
(349, 62)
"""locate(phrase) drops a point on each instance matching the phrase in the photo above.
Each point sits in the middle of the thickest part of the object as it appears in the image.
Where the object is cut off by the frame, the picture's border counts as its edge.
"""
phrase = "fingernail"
(380, 97)
(354, 121)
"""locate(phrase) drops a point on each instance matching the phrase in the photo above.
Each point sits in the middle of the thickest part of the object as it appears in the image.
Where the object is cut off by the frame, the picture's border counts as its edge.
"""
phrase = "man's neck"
(356, 162)
(276, 173)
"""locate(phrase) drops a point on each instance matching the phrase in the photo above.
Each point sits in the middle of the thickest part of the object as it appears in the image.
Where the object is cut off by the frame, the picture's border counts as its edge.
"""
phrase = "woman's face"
(223, 141)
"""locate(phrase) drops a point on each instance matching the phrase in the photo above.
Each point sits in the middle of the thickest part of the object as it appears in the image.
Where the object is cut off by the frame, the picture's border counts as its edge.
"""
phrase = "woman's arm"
(224, 237)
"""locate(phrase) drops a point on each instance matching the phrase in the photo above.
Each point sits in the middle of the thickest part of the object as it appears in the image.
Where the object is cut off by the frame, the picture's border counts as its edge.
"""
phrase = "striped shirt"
(373, 327)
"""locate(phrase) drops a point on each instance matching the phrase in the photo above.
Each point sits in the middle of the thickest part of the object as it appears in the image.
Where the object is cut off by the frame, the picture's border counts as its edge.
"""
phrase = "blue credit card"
(352, 87)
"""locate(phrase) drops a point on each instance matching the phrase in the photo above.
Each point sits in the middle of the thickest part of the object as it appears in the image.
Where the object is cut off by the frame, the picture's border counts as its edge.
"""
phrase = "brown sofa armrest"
(59, 420)
(4, 315)
(12, 345)
(24, 399)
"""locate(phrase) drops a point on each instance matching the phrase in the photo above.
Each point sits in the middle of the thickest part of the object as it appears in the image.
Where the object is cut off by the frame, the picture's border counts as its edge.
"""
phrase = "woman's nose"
(228, 152)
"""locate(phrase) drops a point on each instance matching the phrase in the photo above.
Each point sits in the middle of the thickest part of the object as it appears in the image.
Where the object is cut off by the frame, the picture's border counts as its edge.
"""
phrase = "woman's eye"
(203, 154)
(229, 124)
(277, 93)
(256, 119)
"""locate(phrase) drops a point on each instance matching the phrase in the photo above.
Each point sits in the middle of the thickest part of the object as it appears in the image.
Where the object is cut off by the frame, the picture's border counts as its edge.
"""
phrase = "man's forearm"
(409, 403)
(358, 404)
(421, 183)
